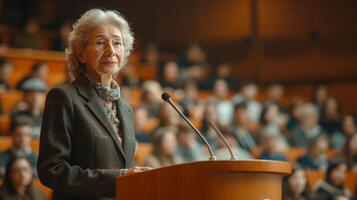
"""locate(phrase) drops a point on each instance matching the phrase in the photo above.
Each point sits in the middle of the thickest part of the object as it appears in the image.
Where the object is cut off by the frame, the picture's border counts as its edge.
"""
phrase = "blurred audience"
(151, 55)
(188, 147)
(164, 153)
(319, 96)
(21, 137)
(349, 127)
(221, 98)
(333, 184)
(59, 43)
(248, 94)
(6, 70)
(151, 97)
(171, 76)
(330, 116)
(18, 181)
(30, 37)
(140, 118)
(210, 114)
(34, 92)
(271, 147)
(308, 128)
(39, 70)
(275, 94)
(224, 71)
(349, 153)
(240, 127)
(223, 153)
(316, 156)
(295, 185)
(272, 120)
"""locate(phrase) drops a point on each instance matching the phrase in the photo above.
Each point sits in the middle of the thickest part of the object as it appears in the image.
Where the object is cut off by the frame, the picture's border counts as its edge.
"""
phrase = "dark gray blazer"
(80, 154)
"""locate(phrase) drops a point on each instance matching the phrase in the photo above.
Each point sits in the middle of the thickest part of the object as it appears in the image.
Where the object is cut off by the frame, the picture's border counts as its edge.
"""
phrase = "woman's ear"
(81, 56)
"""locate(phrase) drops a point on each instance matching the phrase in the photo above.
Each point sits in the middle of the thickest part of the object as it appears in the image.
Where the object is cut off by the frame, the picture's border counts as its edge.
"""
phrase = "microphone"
(219, 133)
(166, 97)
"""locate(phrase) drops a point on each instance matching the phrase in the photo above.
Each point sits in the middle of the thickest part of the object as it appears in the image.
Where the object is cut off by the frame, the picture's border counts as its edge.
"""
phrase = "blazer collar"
(87, 91)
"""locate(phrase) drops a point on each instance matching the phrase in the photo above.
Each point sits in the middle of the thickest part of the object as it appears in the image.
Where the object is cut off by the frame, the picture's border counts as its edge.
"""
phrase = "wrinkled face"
(297, 181)
(21, 173)
(104, 51)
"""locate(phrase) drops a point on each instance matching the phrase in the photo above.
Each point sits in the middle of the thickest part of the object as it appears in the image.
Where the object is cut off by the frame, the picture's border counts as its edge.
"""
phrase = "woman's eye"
(117, 43)
(100, 42)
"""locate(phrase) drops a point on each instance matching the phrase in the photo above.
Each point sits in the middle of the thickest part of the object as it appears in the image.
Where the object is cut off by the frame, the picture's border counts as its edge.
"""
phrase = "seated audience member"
(333, 184)
(222, 100)
(295, 185)
(170, 77)
(30, 38)
(190, 103)
(272, 120)
(308, 128)
(151, 97)
(240, 127)
(6, 69)
(17, 184)
(224, 71)
(272, 149)
(151, 56)
(168, 118)
(223, 153)
(39, 70)
(349, 127)
(140, 117)
(209, 114)
(59, 43)
(330, 116)
(164, 152)
(248, 94)
(21, 133)
(350, 152)
(32, 104)
(194, 56)
(295, 113)
(319, 97)
(188, 147)
(316, 156)
(275, 94)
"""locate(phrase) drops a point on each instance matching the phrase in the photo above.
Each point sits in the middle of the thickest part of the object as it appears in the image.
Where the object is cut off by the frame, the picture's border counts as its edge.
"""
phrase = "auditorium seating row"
(145, 150)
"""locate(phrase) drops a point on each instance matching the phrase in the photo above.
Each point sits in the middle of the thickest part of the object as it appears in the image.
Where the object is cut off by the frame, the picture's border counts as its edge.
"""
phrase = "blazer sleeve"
(53, 166)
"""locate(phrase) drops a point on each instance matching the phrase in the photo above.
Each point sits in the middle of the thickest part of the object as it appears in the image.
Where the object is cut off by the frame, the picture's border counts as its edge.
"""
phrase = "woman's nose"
(110, 50)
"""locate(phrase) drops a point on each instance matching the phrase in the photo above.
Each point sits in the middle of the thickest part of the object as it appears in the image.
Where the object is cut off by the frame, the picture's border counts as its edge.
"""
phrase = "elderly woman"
(87, 138)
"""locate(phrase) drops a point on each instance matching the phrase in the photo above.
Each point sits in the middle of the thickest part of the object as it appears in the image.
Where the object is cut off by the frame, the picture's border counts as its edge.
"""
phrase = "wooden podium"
(207, 180)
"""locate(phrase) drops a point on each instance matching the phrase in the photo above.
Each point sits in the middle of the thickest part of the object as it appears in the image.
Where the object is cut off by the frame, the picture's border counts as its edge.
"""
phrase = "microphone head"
(165, 96)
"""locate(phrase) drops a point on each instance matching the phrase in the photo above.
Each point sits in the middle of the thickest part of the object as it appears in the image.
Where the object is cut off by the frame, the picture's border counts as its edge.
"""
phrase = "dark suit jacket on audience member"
(80, 153)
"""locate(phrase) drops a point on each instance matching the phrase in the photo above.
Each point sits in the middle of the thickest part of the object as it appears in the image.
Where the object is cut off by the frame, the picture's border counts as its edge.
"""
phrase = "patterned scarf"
(107, 94)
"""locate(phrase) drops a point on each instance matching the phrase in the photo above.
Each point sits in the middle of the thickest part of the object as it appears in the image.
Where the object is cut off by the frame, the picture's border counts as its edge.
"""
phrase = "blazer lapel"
(126, 125)
(97, 109)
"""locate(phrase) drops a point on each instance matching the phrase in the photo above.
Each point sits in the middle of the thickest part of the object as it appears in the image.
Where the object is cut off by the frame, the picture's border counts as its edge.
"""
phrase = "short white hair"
(78, 38)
